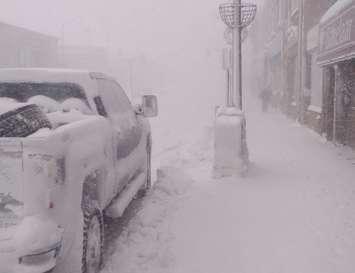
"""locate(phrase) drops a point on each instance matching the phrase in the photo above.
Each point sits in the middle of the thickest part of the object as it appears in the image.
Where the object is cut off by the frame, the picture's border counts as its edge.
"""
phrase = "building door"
(291, 83)
(328, 102)
(350, 92)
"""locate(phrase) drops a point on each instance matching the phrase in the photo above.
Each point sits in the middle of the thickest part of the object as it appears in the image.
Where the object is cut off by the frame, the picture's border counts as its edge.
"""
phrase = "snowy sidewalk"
(294, 213)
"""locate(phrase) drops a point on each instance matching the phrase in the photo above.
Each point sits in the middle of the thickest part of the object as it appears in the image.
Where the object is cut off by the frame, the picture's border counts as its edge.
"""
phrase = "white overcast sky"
(185, 35)
(152, 25)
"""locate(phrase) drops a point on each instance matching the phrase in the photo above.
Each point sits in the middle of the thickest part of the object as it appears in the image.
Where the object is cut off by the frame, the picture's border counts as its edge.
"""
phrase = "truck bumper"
(17, 256)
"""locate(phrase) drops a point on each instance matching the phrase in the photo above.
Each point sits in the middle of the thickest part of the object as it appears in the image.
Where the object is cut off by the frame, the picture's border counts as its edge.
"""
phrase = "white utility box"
(230, 148)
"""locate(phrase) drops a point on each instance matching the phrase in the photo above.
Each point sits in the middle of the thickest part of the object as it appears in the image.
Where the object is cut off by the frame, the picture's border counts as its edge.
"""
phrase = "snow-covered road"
(294, 212)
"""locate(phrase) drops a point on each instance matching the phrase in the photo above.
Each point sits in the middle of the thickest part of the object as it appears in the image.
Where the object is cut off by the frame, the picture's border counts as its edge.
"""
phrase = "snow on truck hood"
(59, 118)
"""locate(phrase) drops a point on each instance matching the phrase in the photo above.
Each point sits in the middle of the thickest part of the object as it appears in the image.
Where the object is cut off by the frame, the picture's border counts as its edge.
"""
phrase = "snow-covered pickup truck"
(72, 149)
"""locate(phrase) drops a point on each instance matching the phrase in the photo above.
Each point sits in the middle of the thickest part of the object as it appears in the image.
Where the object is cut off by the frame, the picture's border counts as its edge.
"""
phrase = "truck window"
(114, 98)
(100, 106)
(125, 102)
(61, 91)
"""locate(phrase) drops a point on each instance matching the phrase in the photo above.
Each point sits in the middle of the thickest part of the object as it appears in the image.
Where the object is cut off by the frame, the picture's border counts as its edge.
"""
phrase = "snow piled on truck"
(46, 104)
(8, 104)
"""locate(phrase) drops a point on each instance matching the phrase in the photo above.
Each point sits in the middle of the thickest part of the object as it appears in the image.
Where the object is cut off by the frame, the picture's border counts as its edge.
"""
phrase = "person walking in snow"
(265, 96)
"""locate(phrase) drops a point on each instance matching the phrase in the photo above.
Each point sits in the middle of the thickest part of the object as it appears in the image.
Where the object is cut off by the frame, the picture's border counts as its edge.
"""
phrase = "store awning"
(337, 33)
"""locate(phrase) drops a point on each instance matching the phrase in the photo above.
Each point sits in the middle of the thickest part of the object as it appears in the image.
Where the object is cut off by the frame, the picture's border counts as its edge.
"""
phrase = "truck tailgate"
(11, 185)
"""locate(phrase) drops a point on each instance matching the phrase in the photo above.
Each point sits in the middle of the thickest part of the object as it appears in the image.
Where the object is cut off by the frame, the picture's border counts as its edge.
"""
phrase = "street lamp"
(236, 16)
(227, 62)
(231, 151)
(228, 35)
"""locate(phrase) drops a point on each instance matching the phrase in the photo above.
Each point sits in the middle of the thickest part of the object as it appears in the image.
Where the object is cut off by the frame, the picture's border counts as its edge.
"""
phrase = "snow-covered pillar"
(230, 149)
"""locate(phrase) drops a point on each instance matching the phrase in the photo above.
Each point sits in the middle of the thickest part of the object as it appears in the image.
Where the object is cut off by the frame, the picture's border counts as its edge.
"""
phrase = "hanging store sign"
(337, 37)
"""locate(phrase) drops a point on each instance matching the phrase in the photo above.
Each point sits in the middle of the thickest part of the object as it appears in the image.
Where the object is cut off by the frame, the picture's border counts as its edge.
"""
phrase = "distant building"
(312, 77)
(91, 58)
(20, 47)
(309, 60)
(290, 45)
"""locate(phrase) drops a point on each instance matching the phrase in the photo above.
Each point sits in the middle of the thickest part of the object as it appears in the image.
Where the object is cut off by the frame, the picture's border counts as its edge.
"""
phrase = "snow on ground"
(294, 212)
(144, 245)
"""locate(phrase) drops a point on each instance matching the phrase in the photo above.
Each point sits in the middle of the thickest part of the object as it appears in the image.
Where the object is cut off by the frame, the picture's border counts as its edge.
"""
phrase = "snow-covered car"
(72, 149)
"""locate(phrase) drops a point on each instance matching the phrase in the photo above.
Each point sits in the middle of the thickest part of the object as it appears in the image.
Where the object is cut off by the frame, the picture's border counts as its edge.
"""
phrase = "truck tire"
(23, 121)
(143, 191)
(93, 241)
(149, 164)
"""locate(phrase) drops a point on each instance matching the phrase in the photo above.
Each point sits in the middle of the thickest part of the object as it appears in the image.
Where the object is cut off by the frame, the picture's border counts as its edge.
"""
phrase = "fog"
(258, 189)
(181, 39)
(159, 29)
(155, 27)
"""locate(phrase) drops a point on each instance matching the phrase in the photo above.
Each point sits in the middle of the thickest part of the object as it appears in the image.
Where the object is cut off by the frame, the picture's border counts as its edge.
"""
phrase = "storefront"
(337, 58)
(313, 81)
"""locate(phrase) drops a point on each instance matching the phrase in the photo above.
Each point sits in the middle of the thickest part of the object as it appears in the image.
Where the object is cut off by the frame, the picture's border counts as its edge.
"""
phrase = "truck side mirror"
(149, 106)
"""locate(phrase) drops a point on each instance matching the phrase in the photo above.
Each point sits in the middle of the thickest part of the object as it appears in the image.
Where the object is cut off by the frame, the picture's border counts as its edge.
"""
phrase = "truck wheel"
(23, 121)
(149, 164)
(93, 242)
(142, 192)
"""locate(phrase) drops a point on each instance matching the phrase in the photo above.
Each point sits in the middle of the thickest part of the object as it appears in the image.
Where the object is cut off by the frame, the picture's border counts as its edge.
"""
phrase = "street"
(290, 214)
(177, 136)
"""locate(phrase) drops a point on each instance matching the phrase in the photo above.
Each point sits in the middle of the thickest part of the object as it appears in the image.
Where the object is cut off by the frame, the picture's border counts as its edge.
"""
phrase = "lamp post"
(237, 16)
(231, 151)
(227, 63)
